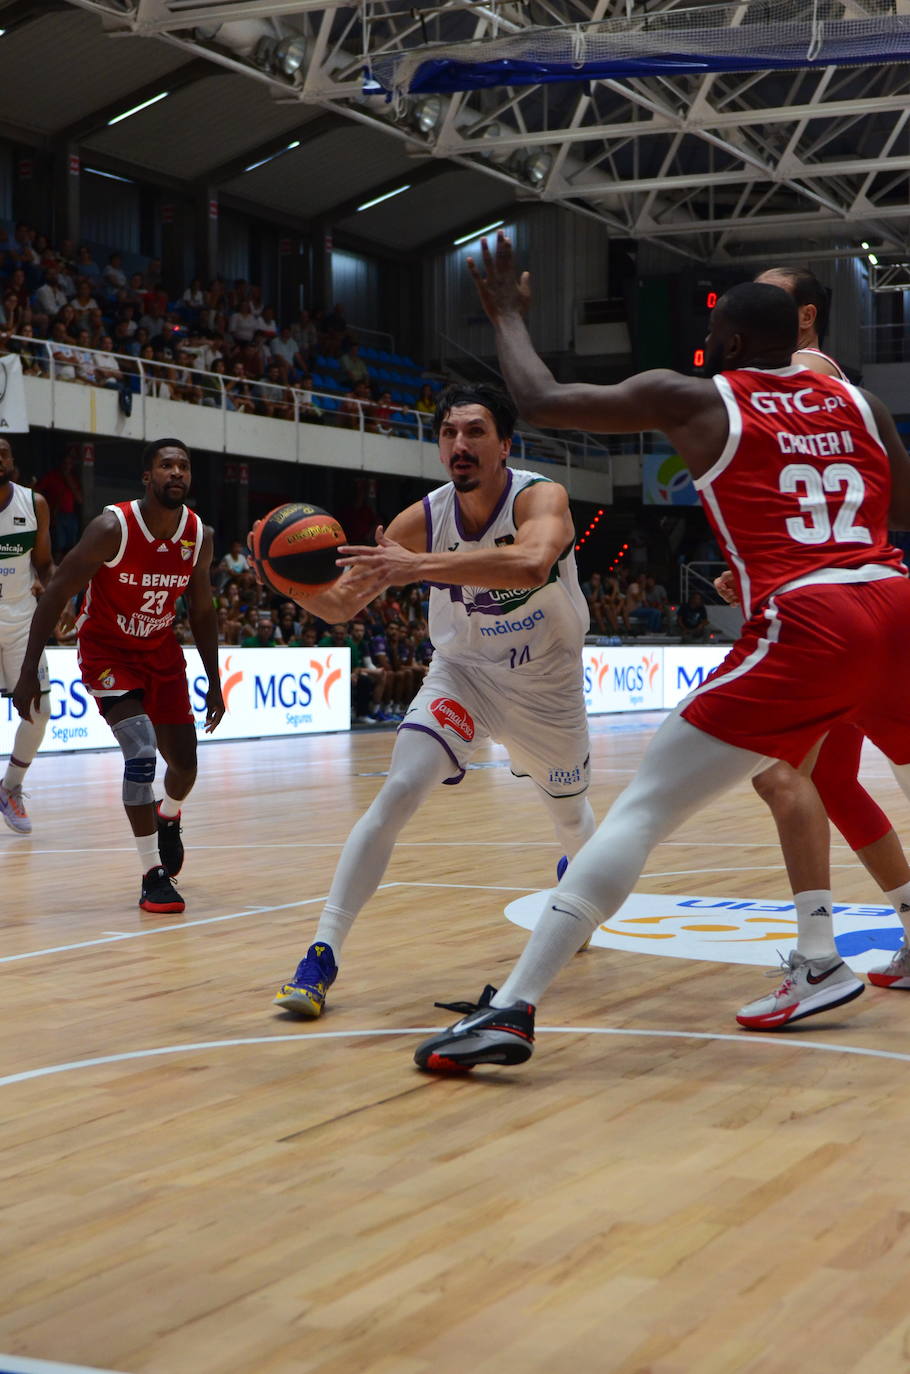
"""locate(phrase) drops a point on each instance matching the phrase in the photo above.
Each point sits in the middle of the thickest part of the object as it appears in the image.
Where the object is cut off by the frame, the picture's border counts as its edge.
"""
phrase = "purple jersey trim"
(473, 538)
(425, 729)
(428, 517)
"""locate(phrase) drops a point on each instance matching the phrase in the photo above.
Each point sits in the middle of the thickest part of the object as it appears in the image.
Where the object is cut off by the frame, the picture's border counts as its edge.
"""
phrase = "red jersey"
(130, 602)
(802, 490)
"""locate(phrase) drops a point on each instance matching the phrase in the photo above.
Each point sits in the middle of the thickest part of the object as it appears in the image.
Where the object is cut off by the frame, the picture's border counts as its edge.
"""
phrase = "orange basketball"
(294, 549)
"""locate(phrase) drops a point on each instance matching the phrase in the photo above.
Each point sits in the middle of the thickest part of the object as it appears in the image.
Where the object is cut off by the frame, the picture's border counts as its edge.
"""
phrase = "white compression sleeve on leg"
(27, 742)
(418, 764)
(572, 817)
(683, 769)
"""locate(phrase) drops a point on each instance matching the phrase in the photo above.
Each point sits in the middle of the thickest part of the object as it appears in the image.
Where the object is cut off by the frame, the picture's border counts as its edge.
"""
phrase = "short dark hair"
(498, 402)
(806, 289)
(155, 447)
(767, 313)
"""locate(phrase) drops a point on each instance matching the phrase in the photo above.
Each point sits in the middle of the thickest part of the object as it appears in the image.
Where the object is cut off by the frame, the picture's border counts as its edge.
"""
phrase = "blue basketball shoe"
(305, 994)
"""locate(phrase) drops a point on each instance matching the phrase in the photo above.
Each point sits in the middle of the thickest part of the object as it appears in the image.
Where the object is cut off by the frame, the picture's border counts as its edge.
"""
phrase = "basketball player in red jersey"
(799, 474)
(797, 805)
(137, 558)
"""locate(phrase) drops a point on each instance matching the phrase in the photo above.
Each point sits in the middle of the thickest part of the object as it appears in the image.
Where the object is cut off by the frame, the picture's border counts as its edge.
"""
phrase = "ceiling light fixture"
(427, 113)
(97, 172)
(290, 54)
(368, 204)
(537, 166)
(162, 95)
(478, 233)
(271, 157)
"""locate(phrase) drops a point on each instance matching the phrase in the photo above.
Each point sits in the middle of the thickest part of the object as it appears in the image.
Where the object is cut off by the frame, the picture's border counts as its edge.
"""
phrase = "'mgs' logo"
(650, 665)
(452, 714)
(332, 675)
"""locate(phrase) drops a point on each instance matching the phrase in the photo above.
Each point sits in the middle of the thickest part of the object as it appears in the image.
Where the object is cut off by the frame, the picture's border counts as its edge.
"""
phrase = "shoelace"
(466, 1008)
(15, 796)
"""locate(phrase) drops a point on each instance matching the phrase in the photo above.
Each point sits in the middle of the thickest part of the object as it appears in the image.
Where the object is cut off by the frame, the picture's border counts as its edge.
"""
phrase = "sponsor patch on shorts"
(452, 714)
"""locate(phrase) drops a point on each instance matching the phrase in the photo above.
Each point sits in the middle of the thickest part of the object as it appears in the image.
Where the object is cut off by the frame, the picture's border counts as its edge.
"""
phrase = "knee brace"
(136, 737)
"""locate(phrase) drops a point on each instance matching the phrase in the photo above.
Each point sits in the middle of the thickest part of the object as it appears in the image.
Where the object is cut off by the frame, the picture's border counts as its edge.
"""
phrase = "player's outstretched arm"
(899, 460)
(544, 528)
(204, 624)
(650, 400)
(99, 544)
(42, 554)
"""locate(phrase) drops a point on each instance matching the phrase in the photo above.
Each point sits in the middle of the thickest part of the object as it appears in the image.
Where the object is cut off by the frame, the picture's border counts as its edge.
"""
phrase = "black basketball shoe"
(159, 894)
(170, 845)
(484, 1035)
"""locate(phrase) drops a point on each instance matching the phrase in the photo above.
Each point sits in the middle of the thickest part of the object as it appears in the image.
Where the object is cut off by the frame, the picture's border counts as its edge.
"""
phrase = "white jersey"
(534, 629)
(18, 531)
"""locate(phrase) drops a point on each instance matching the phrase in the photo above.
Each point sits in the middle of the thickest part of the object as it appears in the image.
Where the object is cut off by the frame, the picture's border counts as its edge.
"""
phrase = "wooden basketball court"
(195, 1184)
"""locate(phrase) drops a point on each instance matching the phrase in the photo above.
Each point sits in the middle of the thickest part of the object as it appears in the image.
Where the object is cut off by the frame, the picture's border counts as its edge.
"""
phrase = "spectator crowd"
(216, 344)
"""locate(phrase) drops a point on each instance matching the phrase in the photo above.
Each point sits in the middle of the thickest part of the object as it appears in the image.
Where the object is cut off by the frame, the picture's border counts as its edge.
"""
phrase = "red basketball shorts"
(815, 656)
(109, 671)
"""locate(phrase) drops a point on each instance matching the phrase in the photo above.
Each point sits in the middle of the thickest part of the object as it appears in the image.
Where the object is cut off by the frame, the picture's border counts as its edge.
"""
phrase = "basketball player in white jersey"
(25, 553)
(507, 621)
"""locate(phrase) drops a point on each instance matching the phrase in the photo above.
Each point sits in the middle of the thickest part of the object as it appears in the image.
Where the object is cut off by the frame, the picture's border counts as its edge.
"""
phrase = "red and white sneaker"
(810, 986)
(893, 975)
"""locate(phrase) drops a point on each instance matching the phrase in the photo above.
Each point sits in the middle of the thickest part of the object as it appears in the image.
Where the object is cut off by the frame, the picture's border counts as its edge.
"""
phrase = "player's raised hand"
(500, 291)
(389, 562)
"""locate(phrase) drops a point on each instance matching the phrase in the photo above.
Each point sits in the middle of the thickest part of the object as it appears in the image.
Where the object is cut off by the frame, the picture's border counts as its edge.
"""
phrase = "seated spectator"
(96, 328)
(184, 380)
(255, 356)
(153, 320)
(67, 317)
(592, 590)
(284, 350)
(33, 355)
(15, 316)
(135, 293)
(307, 409)
(83, 302)
(269, 325)
(263, 637)
(154, 297)
(613, 604)
(638, 613)
(212, 349)
(18, 286)
(63, 354)
(274, 398)
(334, 332)
(426, 402)
(194, 298)
(215, 391)
(355, 409)
(234, 561)
(113, 277)
(306, 336)
(353, 366)
(107, 369)
(239, 391)
(228, 627)
(288, 629)
(382, 415)
(244, 324)
(692, 619)
(50, 298)
(131, 342)
(86, 266)
(214, 303)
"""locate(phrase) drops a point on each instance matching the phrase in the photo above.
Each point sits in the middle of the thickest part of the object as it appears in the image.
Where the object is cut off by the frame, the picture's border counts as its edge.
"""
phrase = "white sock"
(900, 900)
(14, 775)
(814, 924)
(168, 807)
(148, 851)
(565, 925)
(334, 927)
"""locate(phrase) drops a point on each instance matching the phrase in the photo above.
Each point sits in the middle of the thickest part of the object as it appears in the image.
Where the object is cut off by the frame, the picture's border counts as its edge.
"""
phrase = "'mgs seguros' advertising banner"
(267, 692)
(650, 678)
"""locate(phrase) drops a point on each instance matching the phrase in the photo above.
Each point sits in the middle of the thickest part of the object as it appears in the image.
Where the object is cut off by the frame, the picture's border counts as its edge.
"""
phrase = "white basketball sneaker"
(893, 975)
(12, 809)
(810, 986)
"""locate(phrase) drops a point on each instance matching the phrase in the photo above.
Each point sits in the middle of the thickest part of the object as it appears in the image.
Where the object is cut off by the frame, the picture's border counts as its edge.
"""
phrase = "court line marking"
(17, 1364)
(787, 1040)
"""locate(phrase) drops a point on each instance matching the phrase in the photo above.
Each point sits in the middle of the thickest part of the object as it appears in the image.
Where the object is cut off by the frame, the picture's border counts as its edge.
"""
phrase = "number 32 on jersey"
(814, 524)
